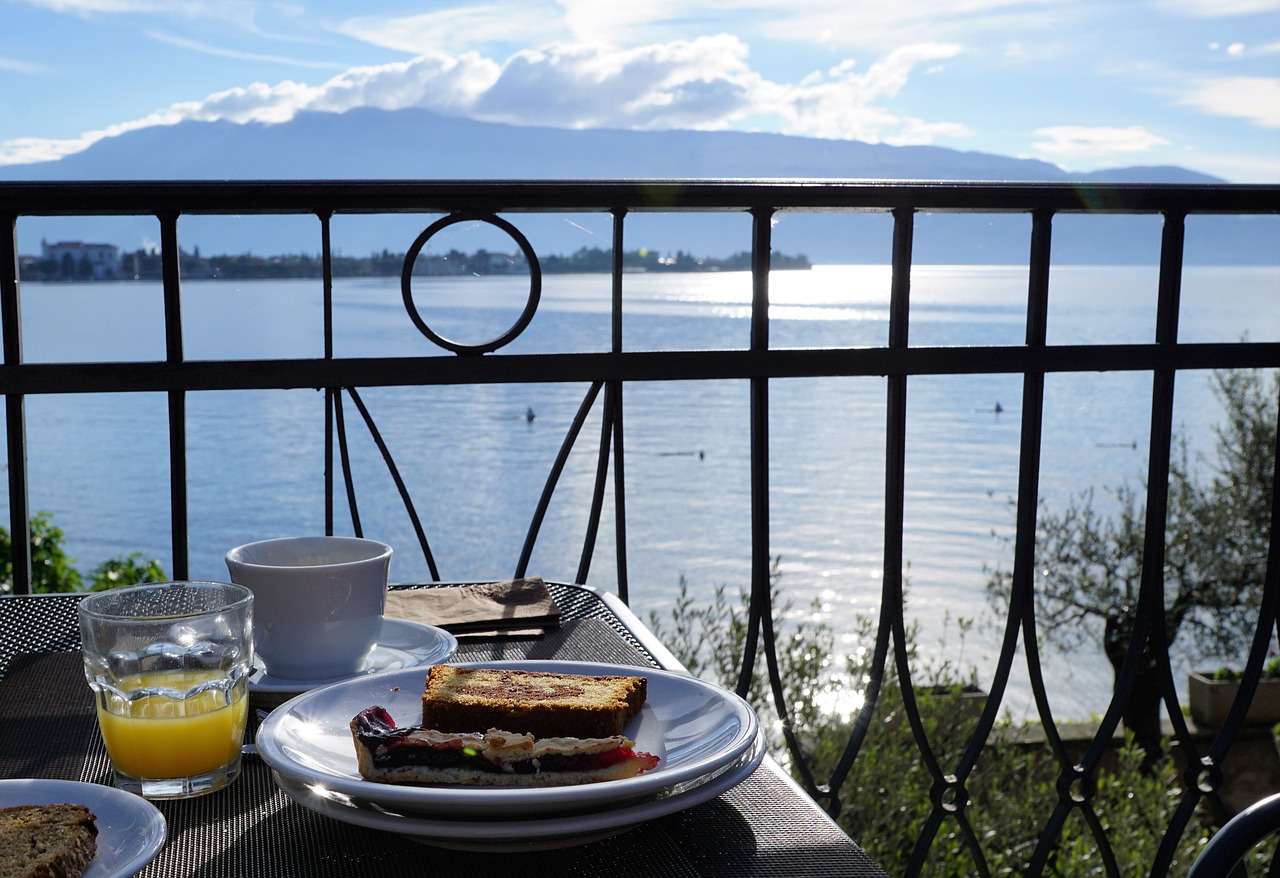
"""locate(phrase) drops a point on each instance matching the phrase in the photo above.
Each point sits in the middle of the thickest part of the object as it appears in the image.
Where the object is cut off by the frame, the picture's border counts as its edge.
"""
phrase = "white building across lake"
(99, 261)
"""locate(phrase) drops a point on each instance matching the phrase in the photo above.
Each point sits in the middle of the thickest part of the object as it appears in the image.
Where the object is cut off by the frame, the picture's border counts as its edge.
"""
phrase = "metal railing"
(607, 373)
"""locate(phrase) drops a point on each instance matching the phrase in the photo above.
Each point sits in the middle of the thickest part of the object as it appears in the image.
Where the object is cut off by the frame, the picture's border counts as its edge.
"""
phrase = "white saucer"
(401, 645)
(131, 830)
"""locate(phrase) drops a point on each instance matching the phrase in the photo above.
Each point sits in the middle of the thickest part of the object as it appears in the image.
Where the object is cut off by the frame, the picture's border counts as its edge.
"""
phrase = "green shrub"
(53, 571)
(130, 569)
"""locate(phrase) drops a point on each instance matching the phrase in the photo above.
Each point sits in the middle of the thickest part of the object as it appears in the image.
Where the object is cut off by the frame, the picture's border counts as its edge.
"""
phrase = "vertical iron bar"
(1022, 587)
(15, 410)
(896, 426)
(1168, 305)
(616, 266)
(326, 261)
(170, 258)
(615, 391)
(348, 478)
(597, 491)
(759, 609)
(1167, 308)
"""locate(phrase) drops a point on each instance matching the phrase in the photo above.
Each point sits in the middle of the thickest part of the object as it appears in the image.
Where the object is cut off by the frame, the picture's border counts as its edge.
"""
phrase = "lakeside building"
(81, 261)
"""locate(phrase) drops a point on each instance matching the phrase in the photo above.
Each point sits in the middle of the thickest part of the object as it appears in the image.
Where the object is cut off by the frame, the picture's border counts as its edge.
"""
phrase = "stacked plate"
(708, 741)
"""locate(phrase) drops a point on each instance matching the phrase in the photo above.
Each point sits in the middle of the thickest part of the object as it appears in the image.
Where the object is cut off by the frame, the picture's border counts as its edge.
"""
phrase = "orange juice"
(160, 736)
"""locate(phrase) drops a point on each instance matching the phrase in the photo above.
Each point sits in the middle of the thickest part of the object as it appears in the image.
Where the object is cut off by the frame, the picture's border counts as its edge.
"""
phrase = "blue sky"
(1084, 84)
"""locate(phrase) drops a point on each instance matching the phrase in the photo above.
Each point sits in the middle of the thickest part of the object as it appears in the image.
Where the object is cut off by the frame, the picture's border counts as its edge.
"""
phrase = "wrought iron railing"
(607, 373)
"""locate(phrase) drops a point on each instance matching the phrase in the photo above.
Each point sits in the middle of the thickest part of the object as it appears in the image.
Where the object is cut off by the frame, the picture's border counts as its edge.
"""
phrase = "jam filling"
(393, 747)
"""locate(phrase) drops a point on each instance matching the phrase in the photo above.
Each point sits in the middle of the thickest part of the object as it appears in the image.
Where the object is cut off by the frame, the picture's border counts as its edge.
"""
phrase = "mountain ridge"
(467, 148)
(368, 143)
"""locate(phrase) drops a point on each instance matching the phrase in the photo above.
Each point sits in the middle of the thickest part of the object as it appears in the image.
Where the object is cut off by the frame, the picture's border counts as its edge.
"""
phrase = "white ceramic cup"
(318, 602)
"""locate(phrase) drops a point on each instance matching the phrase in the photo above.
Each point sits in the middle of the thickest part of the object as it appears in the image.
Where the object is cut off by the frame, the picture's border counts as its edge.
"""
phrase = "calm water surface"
(475, 464)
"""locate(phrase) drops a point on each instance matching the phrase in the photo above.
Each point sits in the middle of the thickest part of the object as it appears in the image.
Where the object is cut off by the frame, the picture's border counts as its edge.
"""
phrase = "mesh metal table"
(764, 827)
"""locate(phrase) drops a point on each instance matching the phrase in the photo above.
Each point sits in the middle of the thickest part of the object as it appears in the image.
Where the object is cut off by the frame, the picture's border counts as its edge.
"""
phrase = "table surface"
(765, 826)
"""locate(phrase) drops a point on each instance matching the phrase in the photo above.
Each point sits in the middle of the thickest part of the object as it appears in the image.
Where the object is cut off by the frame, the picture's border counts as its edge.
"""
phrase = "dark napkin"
(513, 608)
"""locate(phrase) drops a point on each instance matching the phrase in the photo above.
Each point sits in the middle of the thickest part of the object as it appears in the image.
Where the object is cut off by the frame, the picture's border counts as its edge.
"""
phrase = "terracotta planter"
(1211, 699)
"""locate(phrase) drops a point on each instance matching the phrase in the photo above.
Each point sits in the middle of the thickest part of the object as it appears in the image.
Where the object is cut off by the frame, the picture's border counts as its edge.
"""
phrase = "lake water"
(475, 465)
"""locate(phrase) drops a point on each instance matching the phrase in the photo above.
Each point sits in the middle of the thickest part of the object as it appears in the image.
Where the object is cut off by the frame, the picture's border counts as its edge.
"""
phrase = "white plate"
(694, 727)
(131, 830)
(524, 835)
(401, 644)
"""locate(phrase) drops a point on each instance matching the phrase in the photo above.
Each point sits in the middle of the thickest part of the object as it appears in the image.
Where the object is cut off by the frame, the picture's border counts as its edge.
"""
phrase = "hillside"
(416, 144)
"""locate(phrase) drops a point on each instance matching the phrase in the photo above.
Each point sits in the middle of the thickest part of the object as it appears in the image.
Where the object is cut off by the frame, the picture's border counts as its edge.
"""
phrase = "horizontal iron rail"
(398, 196)
(197, 375)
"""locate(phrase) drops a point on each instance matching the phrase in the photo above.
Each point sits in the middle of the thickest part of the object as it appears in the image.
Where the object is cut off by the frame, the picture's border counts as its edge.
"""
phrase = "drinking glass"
(169, 666)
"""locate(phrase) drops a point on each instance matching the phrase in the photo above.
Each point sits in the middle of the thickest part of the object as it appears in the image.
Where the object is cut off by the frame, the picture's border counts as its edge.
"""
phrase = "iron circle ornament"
(535, 283)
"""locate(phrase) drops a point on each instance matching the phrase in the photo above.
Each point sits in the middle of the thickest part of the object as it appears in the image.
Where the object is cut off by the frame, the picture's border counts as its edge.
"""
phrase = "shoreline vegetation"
(146, 265)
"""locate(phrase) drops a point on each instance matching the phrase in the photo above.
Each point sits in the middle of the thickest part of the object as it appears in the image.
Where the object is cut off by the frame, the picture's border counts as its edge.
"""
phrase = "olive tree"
(1089, 563)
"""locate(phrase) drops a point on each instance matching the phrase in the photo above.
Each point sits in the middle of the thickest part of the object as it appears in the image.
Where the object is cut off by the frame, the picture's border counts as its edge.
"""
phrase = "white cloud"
(240, 15)
(216, 51)
(697, 83)
(1219, 8)
(624, 23)
(436, 82)
(94, 7)
(13, 65)
(1084, 141)
(633, 23)
(464, 25)
(706, 83)
(225, 10)
(1254, 98)
(846, 104)
(887, 25)
(257, 103)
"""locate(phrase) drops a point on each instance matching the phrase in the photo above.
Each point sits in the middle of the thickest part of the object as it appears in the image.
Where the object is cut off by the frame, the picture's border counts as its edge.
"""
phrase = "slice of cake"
(542, 704)
(386, 753)
(47, 841)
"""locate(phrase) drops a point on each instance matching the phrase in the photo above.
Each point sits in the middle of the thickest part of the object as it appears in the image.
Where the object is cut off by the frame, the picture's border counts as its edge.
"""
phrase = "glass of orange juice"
(169, 666)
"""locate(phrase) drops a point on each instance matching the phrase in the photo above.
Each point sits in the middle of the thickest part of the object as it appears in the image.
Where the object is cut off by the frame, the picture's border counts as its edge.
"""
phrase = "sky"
(1084, 84)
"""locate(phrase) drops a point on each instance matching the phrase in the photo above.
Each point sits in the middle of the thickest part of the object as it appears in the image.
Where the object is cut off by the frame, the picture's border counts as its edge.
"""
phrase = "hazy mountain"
(416, 144)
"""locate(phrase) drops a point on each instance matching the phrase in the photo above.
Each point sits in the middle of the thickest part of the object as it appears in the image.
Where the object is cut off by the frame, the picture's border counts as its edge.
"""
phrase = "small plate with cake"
(124, 832)
(677, 731)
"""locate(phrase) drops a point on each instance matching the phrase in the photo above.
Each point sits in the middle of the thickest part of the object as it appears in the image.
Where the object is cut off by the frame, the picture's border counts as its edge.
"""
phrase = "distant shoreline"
(147, 265)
